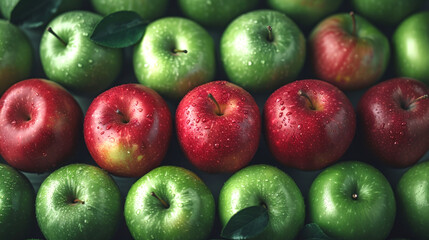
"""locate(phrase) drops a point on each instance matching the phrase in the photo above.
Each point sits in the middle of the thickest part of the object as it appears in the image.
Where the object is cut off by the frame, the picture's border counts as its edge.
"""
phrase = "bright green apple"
(215, 13)
(73, 60)
(411, 47)
(262, 50)
(78, 201)
(174, 56)
(413, 200)
(16, 204)
(16, 55)
(169, 203)
(352, 200)
(147, 9)
(270, 187)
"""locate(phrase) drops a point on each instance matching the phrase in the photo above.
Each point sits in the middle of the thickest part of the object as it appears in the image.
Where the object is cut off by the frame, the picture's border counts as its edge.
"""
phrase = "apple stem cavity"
(76, 201)
(179, 51)
(270, 33)
(354, 196)
(55, 35)
(426, 96)
(310, 103)
(352, 15)
(218, 111)
(165, 204)
(123, 118)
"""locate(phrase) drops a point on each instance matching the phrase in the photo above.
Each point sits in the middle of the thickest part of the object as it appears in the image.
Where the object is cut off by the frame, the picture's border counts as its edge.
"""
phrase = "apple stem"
(159, 199)
(417, 99)
(179, 51)
(354, 196)
(218, 112)
(270, 33)
(55, 35)
(78, 201)
(301, 93)
(352, 14)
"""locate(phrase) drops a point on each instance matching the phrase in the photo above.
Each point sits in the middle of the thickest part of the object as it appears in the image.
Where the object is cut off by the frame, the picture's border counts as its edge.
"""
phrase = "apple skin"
(190, 212)
(412, 194)
(7, 6)
(218, 143)
(16, 204)
(147, 9)
(265, 185)
(215, 13)
(174, 74)
(254, 62)
(349, 61)
(127, 130)
(411, 47)
(331, 204)
(306, 12)
(40, 125)
(301, 137)
(16, 55)
(395, 134)
(82, 66)
(78, 201)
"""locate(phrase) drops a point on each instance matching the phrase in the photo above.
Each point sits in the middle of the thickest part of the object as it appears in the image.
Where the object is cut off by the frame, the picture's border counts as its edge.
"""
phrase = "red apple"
(393, 118)
(348, 51)
(40, 124)
(218, 127)
(127, 130)
(309, 124)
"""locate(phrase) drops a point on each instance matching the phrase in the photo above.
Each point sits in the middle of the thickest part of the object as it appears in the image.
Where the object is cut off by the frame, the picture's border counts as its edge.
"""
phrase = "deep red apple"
(393, 117)
(127, 130)
(348, 51)
(40, 123)
(218, 127)
(309, 124)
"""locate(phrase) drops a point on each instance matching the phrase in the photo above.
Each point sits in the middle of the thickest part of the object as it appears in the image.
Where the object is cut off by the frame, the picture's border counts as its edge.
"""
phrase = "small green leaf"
(34, 13)
(312, 231)
(119, 29)
(246, 223)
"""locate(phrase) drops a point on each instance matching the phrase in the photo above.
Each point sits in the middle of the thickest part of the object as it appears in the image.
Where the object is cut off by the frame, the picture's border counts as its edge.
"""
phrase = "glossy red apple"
(393, 117)
(309, 124)
(218, 127)
(348, 51)
(127, 130)
(40, 124)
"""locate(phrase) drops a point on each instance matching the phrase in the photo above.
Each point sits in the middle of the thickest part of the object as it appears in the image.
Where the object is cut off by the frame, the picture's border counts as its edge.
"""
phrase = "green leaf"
(246, 223)
(119, 29)
(312, 231)
(34, 13)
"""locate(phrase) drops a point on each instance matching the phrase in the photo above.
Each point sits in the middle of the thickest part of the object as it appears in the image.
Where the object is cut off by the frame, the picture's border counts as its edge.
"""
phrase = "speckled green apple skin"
(411, 47)
(6, 7)
(16, 55)
(191, 208)
(215, 13)
(16, 203)
(174, 74)
(60, 218)
(147, 9)
(255, 63)
(332, 207)
(413, 196)
(82, 66)
(263, 184)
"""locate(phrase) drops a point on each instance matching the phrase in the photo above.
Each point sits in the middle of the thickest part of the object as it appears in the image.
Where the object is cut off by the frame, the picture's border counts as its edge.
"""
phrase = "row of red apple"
(309, 124)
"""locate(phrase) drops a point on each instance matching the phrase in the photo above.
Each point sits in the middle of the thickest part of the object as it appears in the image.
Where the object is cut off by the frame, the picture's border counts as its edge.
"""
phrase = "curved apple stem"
(55, 35)
(352, 14)
(418, 99)
(303, 94)
(218, 112)
(270, 33)
(78, 201)
(159, 199)
(179, 51)
(354, 196)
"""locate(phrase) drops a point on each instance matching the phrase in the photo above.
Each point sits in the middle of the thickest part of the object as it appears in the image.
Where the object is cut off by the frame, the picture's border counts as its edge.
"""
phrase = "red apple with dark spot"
(127, 130)
(218, 127)
(40, 124)
(309, 124)
(393, 118)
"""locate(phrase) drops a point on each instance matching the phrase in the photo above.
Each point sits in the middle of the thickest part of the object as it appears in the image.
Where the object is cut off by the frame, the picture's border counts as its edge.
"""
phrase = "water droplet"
(111, 139)
(396, 143)
(288, 113)
(149, 115)
(299, 126)
(45, 154)
(140, 109)
(108, 127)
(403, 124)
(249, 63)
(13, 122)
(283, 108)
(197, 120)
(245, 111)
(90, 61)
(79, 65)
(278, 99)
(282, 102)
(216, 145)
(102, 133)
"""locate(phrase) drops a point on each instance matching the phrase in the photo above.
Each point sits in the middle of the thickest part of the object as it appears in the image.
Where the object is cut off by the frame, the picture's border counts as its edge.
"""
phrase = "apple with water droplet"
(309, 124)
(218, 127)
(393, 120)
(127, 130)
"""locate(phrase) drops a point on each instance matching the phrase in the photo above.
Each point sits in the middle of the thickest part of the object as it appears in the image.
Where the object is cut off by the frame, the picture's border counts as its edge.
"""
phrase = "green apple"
(352, 200)
(215, 13)
(174, 56)
(270, 187)
(386, 12)
(16, 55)
(16, 204)
(69, 5)
(6, 6)
(147, 9)
(70, 58)
(78, 201)
(411, 47)
(262, 50)
(169, 203)
(306, 12)
(413, 197)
